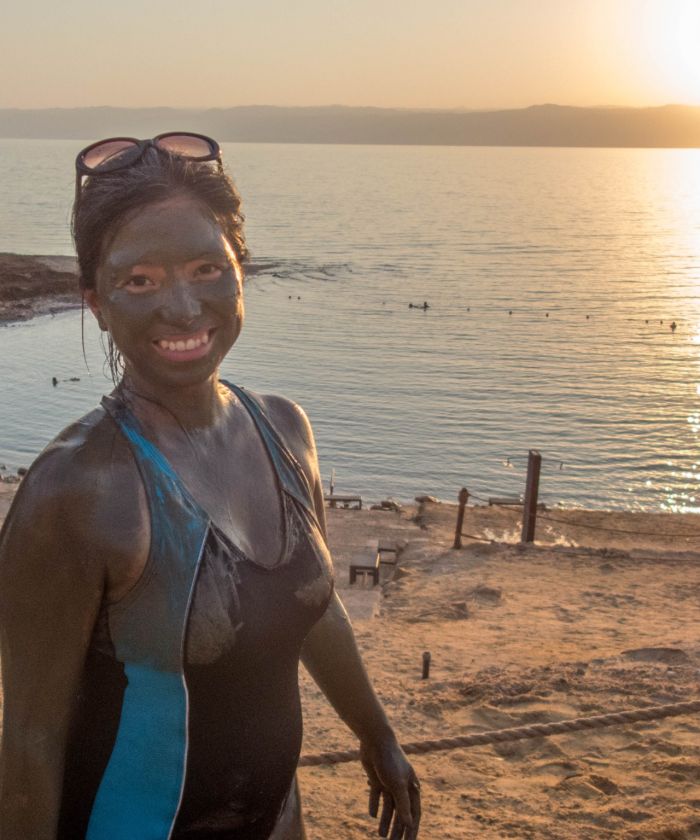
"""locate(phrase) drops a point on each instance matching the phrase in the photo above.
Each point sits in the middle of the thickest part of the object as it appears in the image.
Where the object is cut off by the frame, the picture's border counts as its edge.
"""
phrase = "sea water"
(552, 278)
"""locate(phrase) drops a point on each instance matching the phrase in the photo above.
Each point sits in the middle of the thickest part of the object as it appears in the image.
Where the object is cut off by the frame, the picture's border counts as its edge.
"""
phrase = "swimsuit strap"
(160, 480)
(291, 476)
(141, 789)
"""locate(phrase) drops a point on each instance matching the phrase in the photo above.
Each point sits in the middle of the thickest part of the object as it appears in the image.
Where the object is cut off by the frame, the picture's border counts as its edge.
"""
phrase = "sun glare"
(671, 41)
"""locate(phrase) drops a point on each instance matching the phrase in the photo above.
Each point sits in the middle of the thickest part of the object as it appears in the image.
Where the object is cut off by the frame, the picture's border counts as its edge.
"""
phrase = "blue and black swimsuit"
(188, 722)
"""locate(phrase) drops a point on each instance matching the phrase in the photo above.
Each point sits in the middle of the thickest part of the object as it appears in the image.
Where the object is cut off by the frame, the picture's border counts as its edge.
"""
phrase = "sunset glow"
(446, 54)
(668, 37)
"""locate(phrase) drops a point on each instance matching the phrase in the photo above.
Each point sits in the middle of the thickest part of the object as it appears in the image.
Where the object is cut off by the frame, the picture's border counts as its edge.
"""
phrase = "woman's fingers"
(398, 829)
(414, 793)
(374, 793)
(392, 779)
(402, 803)
(387, 814)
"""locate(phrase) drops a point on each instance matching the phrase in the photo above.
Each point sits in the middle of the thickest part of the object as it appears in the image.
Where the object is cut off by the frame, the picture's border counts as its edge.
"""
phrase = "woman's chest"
(243, 610)
(238, 489)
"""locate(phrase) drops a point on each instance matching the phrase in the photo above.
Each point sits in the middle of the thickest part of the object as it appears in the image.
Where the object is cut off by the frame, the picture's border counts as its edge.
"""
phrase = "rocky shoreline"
(36, 285)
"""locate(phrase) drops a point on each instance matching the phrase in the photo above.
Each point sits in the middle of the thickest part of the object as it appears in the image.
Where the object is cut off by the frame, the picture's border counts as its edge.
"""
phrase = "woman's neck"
(199, 406)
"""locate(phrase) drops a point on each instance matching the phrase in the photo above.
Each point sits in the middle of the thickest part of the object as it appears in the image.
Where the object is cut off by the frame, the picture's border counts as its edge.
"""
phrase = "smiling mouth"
(185, 347)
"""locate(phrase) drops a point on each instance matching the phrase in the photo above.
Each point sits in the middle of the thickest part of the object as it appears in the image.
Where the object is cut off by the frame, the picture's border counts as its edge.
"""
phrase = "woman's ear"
(90, 297)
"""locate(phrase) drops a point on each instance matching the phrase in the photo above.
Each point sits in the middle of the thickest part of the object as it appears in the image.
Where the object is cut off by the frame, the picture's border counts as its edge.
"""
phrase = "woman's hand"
(392, 779)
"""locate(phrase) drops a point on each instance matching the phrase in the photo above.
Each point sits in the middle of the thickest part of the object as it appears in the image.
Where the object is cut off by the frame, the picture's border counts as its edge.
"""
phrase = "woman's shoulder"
(293, 426)
(288, 417)
(78, 472)
(284, 412)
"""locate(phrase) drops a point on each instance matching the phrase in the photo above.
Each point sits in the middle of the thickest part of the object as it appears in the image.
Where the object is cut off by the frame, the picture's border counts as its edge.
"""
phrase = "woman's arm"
(331, 656)
(51, 586)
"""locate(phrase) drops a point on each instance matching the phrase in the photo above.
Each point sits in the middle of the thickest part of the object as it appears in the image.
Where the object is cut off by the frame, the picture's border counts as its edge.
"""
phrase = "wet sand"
(585, 622)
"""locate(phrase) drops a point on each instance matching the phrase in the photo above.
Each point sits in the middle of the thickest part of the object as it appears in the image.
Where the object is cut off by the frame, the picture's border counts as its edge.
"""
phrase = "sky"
(385, 53)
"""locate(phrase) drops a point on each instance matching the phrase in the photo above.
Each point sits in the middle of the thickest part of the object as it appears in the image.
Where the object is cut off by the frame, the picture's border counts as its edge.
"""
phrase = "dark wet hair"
(107, 200)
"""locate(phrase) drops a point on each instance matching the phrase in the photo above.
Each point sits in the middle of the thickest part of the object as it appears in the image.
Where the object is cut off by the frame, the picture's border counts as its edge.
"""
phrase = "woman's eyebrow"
(216, 252)
(120, 265)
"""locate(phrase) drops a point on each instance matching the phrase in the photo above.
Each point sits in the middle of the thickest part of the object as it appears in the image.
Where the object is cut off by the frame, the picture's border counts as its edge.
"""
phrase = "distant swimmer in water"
(674, 326)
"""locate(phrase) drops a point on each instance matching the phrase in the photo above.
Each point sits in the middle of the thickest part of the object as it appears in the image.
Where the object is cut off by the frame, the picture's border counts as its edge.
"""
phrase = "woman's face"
(169, 290)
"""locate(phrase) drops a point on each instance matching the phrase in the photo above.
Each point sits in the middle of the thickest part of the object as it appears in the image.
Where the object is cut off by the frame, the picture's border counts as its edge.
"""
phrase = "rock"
(604, 784)
(486, 594)
(21, 471)
(390, 504)
(427, 500)
(668, 656)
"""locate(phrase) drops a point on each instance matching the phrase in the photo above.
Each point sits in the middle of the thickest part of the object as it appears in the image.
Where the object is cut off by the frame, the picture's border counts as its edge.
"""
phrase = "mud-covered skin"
(79, 527)
(168, 271)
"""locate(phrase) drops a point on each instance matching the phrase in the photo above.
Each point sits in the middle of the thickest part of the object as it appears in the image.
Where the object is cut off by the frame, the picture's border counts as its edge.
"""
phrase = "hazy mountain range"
(539, 125)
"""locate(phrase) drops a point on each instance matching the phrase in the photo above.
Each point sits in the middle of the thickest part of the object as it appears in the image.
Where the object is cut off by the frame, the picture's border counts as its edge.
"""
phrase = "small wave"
(299, 271)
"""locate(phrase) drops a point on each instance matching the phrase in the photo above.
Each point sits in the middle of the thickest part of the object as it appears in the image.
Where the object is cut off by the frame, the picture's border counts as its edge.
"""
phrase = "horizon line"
(423, 109)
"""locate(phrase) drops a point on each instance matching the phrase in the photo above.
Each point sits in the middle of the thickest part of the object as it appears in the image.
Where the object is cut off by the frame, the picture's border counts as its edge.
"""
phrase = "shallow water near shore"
(552, 275)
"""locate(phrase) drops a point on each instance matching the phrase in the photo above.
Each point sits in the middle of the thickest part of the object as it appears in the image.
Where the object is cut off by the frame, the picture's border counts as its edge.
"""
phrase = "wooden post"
(426, 665)
(463, 498)
(331, 487)
(532, 486)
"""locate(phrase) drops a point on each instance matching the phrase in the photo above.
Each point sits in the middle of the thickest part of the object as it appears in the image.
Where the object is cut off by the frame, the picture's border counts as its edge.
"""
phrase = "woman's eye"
(139, 283)
(208, 271)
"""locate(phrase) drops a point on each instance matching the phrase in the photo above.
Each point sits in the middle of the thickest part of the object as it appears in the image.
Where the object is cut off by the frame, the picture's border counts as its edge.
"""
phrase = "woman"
(164, 566)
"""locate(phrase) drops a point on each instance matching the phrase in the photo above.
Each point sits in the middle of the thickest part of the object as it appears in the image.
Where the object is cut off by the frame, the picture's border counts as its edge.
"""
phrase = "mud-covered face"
(169, 290)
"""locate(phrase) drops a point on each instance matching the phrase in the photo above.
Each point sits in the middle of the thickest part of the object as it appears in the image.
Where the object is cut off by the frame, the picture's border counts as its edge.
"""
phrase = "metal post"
(534, 462)
(463, 498)
(331, 487)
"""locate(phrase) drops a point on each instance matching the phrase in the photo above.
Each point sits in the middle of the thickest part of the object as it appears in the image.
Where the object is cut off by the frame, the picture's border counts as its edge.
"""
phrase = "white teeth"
(189, 344)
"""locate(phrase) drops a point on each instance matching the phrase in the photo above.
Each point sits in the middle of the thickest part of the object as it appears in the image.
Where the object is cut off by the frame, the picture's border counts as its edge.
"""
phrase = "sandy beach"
(584, 622)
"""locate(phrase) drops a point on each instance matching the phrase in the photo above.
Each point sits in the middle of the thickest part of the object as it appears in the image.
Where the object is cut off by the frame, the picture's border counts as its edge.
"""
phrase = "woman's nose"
(181, 305)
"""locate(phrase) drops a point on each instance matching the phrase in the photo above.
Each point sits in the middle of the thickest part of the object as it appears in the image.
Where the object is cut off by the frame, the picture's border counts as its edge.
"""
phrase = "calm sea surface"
(552, 275)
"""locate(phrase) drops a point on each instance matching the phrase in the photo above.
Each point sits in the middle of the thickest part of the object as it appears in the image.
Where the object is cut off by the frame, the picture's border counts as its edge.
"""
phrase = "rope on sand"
(537, 730)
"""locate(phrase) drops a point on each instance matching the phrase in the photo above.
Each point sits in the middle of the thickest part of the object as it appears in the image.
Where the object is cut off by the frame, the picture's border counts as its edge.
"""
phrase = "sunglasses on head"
(121, 152)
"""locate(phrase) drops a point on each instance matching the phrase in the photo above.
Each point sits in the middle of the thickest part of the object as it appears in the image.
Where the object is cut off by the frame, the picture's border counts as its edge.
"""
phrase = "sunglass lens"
(187, 145)
(111, 155)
